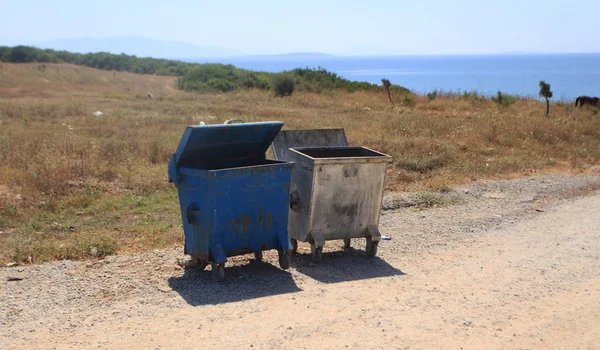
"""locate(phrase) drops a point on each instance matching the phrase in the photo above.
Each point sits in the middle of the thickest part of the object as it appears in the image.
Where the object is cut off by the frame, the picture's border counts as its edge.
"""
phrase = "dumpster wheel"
(316, 253)
(199, 263)
(218, 271)
(371, 247)
(285, 259)
(294, 245)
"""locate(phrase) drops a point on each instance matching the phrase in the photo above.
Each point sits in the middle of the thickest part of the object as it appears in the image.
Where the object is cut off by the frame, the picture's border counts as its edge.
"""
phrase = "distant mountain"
(368, 50)
(276, 57)
(141, 47)
(298, 54)
(4, 41)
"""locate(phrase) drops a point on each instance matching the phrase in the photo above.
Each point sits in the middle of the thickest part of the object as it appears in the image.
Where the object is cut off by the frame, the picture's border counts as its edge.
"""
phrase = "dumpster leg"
(317, 238)
(374, 233)
(346, 243)
(285, 243)
(373, 240)
(316, 245)
(285, 250)
(258, 256)
(218, 253)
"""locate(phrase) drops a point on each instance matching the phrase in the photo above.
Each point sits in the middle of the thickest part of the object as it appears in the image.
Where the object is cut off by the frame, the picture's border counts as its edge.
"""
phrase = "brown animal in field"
(582, 100)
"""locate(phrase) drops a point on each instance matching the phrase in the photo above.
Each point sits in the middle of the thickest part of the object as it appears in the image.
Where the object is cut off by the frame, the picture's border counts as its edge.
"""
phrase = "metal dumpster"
(336, 190)
(233, 200)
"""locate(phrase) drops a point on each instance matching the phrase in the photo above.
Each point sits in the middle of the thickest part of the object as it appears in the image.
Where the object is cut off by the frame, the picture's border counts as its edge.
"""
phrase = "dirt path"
(497, 272)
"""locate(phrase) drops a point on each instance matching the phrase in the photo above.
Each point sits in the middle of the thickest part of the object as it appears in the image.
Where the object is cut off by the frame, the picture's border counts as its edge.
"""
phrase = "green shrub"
(211, 77)
(283, 85)
(504, 100)
(220, 84)
(10, 210)
(428, 199)
(408, 100)
(472, 96)
(423, 164)
(432, 95)
(263, 83)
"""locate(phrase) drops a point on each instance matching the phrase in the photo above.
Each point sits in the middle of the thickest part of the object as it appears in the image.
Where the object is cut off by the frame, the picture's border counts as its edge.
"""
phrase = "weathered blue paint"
(233, 201)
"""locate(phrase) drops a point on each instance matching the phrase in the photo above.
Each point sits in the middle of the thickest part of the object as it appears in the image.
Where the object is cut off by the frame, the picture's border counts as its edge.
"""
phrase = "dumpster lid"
(214, 144)
(307, 138)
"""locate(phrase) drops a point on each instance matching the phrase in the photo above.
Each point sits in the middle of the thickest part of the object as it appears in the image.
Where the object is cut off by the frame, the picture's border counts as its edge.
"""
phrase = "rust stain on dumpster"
(269, 221)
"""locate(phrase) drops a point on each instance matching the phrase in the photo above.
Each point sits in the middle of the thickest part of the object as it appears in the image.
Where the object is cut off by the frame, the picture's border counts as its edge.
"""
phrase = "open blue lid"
(219, 143)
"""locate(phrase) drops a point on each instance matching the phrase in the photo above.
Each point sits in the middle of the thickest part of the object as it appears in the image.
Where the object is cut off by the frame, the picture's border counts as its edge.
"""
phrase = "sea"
(569, 75)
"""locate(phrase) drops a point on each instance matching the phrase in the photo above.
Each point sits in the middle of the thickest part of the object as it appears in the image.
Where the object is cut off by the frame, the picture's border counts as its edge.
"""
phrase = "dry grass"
(106, 176)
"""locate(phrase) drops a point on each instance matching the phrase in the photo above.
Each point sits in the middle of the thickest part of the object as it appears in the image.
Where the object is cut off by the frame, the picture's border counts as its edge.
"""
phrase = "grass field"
(74, 185)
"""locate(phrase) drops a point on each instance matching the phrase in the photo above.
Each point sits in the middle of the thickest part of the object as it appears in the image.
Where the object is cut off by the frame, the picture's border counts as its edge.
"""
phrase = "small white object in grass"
(94, 251)
(202, 123)
(98, 114)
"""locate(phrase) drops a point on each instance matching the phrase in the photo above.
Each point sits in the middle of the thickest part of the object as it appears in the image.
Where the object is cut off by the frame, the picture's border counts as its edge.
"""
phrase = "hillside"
(207, 77)
(66, 80)
(71, 180)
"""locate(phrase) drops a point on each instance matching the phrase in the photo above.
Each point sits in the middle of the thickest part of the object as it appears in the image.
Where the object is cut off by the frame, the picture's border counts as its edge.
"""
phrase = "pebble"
(94, 251)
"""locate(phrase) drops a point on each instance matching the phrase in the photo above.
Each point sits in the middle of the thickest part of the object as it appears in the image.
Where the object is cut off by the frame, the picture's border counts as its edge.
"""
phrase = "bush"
(221, 84)
(408, 100)
(283, 85)
(319, 80)
(424, 164)
(504, 100)
(472, 96)
(432, 95)
(262, 83)
(428, 199)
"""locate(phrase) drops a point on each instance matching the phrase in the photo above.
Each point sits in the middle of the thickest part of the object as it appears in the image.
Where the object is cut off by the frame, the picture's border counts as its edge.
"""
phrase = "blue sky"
(345, 27)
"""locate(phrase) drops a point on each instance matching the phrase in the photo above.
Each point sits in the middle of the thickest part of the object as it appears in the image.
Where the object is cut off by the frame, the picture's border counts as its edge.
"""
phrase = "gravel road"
(510, 264)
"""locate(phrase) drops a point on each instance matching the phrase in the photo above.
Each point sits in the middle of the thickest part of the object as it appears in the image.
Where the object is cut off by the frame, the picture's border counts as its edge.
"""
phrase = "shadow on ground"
(254, 280)
(342, 266)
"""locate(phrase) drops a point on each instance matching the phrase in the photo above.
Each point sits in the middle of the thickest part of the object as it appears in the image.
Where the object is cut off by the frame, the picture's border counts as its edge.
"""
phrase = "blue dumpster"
(233, 200)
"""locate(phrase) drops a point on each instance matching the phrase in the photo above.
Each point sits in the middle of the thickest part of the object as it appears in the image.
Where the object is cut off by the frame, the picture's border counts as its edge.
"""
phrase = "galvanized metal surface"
(336, 193)
(233, 201)
(287, 139)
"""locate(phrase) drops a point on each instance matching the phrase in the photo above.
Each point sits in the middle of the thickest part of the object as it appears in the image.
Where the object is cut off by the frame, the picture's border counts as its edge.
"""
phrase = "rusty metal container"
(336, 190)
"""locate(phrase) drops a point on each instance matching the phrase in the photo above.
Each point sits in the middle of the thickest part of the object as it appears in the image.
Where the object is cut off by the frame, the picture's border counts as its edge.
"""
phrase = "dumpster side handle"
(294, 201)
(192, 214)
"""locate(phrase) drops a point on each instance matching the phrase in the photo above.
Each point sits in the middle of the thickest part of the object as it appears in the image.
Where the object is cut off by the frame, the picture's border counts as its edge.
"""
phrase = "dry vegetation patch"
(71, 181)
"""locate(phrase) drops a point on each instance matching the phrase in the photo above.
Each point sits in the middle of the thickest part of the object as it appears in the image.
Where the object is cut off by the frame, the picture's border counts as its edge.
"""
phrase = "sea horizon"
(569, 74)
